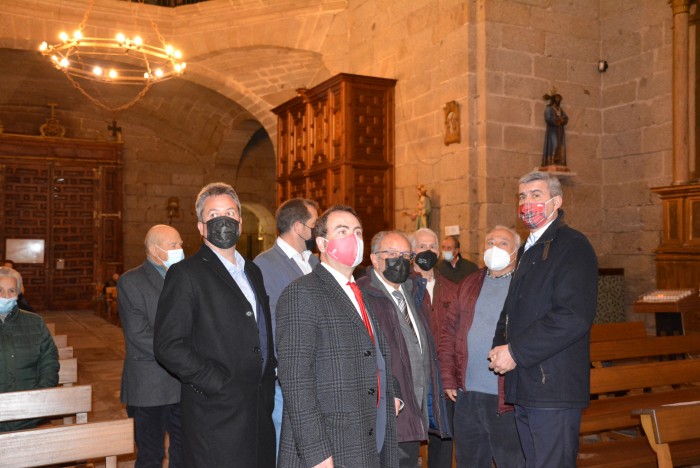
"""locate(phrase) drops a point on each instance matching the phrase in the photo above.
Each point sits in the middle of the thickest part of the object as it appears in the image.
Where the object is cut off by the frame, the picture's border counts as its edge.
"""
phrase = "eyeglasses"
(396, 254)
(304, 224)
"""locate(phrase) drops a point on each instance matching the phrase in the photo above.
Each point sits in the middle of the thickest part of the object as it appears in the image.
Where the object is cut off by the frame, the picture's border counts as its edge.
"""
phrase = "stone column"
(681, 125)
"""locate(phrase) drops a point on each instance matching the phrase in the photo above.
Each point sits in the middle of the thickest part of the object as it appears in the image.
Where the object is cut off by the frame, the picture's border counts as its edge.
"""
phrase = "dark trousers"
(408, 454)
(440, 450)
(549, 436)
(150, 425)
(482, 435)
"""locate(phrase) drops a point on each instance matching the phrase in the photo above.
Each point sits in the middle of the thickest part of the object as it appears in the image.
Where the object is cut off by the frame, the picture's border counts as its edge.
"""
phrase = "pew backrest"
(617, 331)
(68, 373)
(640, 376)
(644, 348)
(671, 423)
(63, 444)
(65, 353)
(47, 402)
(61, 341)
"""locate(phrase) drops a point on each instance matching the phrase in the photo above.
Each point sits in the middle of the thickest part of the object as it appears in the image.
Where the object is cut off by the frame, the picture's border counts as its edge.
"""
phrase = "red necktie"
(368, 325)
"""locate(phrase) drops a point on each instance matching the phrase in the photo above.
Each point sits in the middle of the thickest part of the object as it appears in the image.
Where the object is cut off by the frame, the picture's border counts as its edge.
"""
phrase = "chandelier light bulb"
(97, 71)
(169, 49)
(178, 68)
(121, 38)
(159, 73)
(177, 54)
(63, 36)
(77, 35)
(138, 41)
(64, 62)
(113, 73)
(43, 47)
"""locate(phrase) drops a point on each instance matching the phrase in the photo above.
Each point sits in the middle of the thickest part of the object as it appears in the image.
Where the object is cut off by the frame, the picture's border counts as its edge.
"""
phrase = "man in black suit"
(213, 331)
(151, 394)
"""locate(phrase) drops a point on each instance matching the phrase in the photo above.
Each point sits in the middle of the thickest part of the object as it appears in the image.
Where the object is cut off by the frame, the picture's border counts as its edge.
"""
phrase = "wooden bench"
(65, 353)
(61, 341)
(73, 403)
(617, 331)
(62, 444)
(68, 373)
(620, 389)
(667, 425)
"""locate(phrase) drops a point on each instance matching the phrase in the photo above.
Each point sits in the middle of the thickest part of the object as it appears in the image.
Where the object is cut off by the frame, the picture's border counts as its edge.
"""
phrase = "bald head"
(159, 239)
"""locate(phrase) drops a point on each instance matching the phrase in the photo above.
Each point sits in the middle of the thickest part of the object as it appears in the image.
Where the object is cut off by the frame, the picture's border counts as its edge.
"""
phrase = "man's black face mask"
(223, 232)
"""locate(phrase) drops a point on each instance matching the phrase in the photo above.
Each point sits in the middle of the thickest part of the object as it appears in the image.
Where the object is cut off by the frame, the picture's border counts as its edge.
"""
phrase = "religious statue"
(421, 215)
(554, 153)
(452, 131)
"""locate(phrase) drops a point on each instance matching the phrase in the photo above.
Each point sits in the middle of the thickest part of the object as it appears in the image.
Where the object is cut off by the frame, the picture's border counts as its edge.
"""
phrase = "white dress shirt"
(301, 259)
(237, 272)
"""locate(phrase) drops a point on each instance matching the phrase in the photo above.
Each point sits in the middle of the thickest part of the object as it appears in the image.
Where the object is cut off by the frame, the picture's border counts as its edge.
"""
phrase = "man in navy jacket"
(542, 339)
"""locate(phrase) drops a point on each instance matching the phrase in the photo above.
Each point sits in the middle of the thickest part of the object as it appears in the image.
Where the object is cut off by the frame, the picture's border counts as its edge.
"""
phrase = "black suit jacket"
(206, 334)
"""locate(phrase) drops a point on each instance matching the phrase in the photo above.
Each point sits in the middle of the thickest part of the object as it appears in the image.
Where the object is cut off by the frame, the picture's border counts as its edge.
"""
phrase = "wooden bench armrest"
(46, 402)
(671, 423)
(62, 444)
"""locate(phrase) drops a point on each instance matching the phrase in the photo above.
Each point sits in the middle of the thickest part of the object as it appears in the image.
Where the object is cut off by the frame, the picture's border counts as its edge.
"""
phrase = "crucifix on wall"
(116, 131)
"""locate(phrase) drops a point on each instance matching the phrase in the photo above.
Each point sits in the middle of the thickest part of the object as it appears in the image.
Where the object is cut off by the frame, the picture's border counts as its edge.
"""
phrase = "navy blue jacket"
(546, 320)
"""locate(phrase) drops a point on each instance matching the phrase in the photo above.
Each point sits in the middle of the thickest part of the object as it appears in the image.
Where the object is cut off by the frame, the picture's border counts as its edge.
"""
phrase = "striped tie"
(404, 309)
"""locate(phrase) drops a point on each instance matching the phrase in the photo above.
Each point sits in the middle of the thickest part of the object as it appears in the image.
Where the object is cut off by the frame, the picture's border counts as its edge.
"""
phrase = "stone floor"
(99, 347)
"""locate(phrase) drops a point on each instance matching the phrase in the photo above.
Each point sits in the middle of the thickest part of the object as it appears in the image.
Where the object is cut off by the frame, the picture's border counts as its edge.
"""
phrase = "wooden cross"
(115, 130)
(53, 105)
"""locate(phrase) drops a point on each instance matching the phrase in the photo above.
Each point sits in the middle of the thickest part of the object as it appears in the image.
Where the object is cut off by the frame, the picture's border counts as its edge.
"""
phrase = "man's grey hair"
(379, 237)
(423, 230)
(212, 190)
(553, 183)
(5, 271)
(516, 237)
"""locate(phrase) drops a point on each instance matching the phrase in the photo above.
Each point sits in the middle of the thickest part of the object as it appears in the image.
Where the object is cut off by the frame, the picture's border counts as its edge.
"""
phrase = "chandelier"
(119, 60)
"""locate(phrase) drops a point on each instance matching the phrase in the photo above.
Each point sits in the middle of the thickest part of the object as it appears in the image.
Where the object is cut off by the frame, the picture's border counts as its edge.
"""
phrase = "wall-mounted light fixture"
(173, 208)
(602, 66)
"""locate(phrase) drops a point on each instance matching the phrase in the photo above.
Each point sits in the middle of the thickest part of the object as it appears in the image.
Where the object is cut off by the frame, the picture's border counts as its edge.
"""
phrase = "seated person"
(21, 300)
(34, 362)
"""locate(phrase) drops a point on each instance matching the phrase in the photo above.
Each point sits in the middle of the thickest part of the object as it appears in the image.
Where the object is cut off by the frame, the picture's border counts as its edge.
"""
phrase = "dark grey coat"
(328, 370)
(144, 381)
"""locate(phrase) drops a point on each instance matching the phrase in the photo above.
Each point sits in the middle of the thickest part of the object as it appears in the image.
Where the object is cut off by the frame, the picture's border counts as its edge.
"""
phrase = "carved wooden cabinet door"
(335, 145)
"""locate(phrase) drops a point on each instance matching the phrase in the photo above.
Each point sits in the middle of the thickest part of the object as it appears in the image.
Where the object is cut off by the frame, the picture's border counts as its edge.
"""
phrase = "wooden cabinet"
(335, 144)
(67, 194)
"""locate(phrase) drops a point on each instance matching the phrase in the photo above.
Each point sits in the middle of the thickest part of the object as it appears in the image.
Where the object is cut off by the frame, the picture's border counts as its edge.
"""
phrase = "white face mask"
(447, 255)
(7, 305)
(174, 256)
(496, 259)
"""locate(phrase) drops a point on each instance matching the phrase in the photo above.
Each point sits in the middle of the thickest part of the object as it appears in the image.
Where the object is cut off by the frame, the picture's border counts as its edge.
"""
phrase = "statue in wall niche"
(554, 153)
(421, 215)
(452, 124)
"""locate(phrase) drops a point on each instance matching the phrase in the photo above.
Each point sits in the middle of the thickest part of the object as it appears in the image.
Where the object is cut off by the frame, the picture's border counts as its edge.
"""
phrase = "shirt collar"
(290, 251)
(339, 277)
(388, 287)
(233, 268)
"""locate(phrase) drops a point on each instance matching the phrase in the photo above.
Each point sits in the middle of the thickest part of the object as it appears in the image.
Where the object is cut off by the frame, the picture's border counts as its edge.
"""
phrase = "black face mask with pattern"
(397, 270)
(426, 260)
(223, 232)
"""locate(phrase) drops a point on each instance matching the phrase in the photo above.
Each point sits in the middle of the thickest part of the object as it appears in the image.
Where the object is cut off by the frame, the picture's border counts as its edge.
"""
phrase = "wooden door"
(55, 203)
(67, 195)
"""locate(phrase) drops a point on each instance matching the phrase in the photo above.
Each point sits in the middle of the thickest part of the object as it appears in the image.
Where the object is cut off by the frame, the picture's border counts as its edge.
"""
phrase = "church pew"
(68, 373)
(65, 353)
(647, 347)
(617, 331)
(71, 443)
(667, 425)
(61, 341)
(623, 388)
(71, 402)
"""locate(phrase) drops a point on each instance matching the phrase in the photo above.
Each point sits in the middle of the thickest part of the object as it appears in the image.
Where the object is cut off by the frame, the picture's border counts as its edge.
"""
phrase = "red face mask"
(533, 214)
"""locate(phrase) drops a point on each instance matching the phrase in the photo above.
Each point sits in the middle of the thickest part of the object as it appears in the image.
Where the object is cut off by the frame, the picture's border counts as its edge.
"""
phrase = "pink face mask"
(533, 214)
(347, 250)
